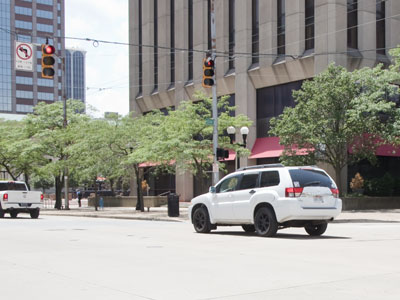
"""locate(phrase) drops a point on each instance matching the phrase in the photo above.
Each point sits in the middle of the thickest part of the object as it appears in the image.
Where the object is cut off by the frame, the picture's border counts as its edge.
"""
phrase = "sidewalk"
(161, 213)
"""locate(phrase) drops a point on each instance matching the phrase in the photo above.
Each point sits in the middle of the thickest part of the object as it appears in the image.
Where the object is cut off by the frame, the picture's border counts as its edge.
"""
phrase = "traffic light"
(222, 153)
(48, 61)
(208, 72)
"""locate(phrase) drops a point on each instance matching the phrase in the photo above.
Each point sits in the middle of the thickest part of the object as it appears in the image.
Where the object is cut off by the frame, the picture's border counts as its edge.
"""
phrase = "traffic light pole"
(65, 123)
(214, 95)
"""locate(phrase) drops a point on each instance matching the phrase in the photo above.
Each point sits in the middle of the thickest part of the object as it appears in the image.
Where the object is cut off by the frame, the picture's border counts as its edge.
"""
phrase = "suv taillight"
(335, 193)
(5, 197)
(293, 192)
(41, 197)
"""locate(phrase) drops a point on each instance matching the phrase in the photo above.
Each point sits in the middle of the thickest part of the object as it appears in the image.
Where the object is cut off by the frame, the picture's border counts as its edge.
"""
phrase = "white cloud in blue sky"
(106, 65)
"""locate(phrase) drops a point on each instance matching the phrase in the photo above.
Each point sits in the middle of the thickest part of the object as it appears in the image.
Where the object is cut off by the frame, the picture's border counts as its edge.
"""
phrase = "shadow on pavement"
(279, 235)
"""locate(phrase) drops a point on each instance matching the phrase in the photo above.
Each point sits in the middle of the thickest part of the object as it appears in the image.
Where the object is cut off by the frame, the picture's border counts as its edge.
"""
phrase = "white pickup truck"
(15, 198)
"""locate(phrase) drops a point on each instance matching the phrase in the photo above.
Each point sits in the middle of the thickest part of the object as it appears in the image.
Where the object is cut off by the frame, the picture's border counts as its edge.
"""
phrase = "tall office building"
(75, 74)
(24, 26)
(266, 49)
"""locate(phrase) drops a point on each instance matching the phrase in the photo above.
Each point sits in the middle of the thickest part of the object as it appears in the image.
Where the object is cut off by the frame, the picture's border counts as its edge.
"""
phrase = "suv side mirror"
(213, 190)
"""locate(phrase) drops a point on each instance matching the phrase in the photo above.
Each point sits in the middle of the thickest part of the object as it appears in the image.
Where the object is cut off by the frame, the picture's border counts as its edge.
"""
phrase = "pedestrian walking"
(79, 193)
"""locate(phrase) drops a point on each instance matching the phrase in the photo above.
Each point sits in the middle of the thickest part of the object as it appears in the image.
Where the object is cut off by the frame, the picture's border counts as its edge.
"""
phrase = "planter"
(364, 203)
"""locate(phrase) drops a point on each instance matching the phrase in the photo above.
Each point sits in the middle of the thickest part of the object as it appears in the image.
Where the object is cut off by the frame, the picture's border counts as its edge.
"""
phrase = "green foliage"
(335, 110)
(382, 186)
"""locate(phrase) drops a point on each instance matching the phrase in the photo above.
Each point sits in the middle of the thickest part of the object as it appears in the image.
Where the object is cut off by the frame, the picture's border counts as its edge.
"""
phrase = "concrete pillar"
(133, 55)
(392, 24)
(222, 28)
(163, 41)
(148, 52)
(330, 33)
(366, 32)
(181, 57)
(295, 27)
(184, 185)
(268, 31)
(245, 96)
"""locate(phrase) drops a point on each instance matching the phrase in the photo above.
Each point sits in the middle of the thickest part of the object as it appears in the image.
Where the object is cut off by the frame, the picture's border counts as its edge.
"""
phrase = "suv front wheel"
(201, 220)
(265, 222)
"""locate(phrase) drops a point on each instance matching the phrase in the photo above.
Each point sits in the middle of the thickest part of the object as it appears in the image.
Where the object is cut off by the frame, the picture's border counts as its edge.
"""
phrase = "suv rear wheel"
(316, 230)
(34, 213)
(201, 220)
(265, 222)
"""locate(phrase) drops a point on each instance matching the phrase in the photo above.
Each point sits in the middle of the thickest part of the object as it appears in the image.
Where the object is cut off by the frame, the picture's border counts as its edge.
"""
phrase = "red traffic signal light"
(48, 49)
(208, 72)
(48, 61)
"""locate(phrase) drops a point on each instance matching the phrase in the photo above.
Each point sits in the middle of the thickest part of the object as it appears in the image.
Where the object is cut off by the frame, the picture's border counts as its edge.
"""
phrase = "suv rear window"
(12, 186)
(310, 177)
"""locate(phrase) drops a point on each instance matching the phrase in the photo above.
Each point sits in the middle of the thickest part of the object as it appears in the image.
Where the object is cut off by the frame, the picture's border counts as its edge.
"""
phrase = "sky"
(107, 73)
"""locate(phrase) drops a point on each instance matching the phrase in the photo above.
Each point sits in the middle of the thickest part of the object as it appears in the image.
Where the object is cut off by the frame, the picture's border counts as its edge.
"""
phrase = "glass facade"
(27, 21)
(5, 56)
(75, 74)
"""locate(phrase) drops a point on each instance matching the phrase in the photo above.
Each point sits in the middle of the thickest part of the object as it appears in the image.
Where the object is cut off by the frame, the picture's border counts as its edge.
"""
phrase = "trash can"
(173, 205)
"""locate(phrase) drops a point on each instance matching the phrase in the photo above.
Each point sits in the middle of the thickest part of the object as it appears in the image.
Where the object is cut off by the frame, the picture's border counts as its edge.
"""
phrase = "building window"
(23, 11)
(44, 27)
(45, 96)
(47, 2)
(352, 24)
(309, 23)
(44, 14)
(172, 42)
(271, 102)
(380, 27)
(23, 24)
(140, 49)
(190, 40)
(24, 80)
(281, 27)
(24, 94)
(24, 38)
(155, 45)
(24, 108)
(255, 31)
(231, 34)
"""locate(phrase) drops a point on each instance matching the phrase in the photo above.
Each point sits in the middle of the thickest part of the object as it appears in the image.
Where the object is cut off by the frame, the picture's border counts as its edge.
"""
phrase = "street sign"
(23, 56)
(209, 121)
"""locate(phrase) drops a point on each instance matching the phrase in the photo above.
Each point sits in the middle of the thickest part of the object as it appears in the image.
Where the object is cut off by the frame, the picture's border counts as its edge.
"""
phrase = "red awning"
(270, 147)
(382, 150)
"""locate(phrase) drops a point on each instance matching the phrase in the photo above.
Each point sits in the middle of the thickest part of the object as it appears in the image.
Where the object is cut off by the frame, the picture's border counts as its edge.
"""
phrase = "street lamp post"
(244, 131)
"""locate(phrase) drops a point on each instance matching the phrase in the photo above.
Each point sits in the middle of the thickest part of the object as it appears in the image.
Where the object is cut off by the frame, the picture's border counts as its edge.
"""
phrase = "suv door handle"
(252, 191)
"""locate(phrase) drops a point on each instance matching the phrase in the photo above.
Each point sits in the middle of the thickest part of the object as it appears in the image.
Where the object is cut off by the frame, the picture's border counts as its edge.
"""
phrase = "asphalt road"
(58, 257)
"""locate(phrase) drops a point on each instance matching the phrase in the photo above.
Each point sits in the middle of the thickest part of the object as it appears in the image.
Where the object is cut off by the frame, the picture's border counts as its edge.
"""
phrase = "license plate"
(24, 204)
(318, 199)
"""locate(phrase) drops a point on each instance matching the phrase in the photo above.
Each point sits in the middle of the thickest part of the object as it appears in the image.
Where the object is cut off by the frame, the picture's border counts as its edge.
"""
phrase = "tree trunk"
(58, 185)
(338, 173)
(139, 203)
(96, 197)
(27, 181)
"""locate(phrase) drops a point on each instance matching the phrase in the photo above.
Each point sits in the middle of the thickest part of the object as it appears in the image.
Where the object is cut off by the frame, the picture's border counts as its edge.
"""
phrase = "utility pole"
(214, 95)
(65, 123)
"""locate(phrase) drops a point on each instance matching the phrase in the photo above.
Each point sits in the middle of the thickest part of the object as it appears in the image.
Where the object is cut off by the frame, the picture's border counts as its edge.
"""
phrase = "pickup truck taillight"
(5, 197)
(41, 197)
(293, 192)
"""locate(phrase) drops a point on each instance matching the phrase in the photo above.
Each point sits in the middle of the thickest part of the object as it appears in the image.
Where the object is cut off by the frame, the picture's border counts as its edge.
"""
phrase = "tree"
(335, 111)
(50, 140)
(185, 137)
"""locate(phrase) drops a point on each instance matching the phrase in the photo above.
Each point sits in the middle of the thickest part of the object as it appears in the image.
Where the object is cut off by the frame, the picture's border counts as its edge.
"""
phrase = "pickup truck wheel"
(13, 214)
(249, 228)
(265, 222)
(34, 213)
(201, 220)
(316, 230)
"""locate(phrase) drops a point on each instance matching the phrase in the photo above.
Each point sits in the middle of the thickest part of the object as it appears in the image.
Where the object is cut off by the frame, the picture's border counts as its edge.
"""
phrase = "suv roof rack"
(261, 167)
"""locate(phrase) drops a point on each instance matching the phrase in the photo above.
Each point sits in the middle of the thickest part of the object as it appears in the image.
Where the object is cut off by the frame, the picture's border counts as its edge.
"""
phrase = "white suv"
(266, 198)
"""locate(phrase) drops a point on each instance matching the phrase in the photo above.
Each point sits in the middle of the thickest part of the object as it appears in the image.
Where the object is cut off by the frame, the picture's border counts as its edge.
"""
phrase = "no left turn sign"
(23, 56)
